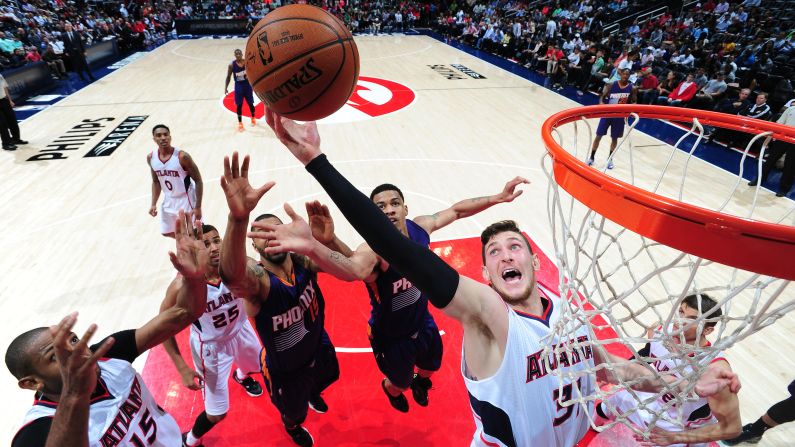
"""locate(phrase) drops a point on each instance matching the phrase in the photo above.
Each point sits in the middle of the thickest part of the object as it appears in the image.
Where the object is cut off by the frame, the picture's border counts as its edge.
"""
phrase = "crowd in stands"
(734, 56)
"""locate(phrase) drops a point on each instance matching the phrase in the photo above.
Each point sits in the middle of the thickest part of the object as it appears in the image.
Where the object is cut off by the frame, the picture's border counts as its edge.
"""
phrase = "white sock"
(239, 374)
(192, 439)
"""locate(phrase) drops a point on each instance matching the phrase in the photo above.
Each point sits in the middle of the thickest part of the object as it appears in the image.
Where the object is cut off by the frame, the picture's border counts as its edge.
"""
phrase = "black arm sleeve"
(124, 347)
(421, 266)
(34, 434)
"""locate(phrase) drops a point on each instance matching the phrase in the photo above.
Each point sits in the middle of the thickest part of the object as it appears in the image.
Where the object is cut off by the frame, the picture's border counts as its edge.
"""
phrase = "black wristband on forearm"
(417, 263)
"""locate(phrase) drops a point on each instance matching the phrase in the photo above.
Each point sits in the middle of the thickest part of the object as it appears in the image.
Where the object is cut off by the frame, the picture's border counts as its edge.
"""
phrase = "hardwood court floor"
(77, 235)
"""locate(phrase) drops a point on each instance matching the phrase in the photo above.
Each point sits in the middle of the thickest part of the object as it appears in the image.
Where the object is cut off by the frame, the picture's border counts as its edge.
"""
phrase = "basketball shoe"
(185, 441)
(399, 402)
(419, 389)
(300, 436)
(747, 436)
(253, 122)
(252, 387)
(240, 127)
(317, 404)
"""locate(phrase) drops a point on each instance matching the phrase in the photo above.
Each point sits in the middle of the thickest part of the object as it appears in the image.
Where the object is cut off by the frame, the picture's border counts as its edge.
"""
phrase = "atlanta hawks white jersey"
(126, 414)
(690, 414)
(222, 318)
(520, 404)
(175, 182)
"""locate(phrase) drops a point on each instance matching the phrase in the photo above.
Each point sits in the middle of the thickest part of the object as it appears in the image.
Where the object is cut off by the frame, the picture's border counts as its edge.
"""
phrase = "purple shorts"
(616, 126)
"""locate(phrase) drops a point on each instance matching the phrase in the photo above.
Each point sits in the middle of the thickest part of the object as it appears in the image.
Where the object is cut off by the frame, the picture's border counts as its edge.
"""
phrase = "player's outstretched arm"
(297, 237)
(186, 373)
(724, 405)
(79, 375)
(470, 207)
(242, 275)
(190, 260)
(461, 298)
(322, 226)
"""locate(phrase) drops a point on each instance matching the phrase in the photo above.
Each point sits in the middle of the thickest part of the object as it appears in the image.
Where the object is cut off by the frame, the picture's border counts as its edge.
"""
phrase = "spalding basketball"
(302, 62)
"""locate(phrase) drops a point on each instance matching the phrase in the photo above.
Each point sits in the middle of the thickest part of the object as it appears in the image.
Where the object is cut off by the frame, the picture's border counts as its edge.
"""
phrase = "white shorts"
(169, 210)
(213, 360)
(626, 404)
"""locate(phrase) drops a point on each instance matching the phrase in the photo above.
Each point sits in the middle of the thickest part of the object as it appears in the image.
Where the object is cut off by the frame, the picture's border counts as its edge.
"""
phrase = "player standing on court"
(514, 398)
(300, 361)
(175, 173)
(402, 333)
(243, 91)
(619, 92)
(115, 408)
(220, 336)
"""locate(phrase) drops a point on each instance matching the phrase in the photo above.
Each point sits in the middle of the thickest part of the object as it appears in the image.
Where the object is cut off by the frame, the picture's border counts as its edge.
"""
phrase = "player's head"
(389, 198)
(238, 54)
(624, 74)
(31, 359)
(212, 240)
(689, 311)
(509, 264)
(261, 244)
(162, 135)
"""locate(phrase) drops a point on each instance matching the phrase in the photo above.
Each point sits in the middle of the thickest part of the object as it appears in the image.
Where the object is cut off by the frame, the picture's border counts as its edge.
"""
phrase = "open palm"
(191, 257)
(320, 222)
(295, 236)
(241, 197)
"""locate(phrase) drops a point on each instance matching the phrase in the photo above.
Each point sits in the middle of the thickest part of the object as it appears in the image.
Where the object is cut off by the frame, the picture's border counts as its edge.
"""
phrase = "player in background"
(506, 324)
(780, 413)
(175, 173)
(222, 335)
(704, 420)
(287, 305)
(403, 334)
(619, 92)
(243, 90)
(115, 408)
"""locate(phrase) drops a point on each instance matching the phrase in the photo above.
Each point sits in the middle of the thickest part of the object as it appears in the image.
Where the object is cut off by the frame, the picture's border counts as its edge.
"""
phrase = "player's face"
(261, 244)
(162, 137)
(392, 205)
(624, 75)
(212, 241)
(47, 376)
(510, 266)
(238, 55)
(688, 317)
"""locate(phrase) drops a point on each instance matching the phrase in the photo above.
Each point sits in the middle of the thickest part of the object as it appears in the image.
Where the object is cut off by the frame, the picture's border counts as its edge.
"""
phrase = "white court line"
(361, 350)
(281, 168)
(205, 59)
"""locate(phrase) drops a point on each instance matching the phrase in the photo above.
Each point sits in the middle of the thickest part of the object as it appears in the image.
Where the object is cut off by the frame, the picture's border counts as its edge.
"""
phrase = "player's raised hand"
(302, 140)
(293, 237)
(241, 197)
(78, 365)
(191, 257)
(715, 379)
(320, 222)
(509, 192)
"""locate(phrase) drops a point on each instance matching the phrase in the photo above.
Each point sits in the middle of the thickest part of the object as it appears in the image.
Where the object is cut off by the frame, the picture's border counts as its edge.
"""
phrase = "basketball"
(302, 62)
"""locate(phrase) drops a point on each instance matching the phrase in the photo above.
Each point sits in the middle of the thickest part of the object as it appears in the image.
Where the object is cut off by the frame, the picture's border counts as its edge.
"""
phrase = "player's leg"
(246, 350)
(395, 359)
(291, 396)
(249, 97)
(214, 364)
(601, 130)
(239, 106)
(326, 370)
(778, 414)
(429, 360)
(616, 132)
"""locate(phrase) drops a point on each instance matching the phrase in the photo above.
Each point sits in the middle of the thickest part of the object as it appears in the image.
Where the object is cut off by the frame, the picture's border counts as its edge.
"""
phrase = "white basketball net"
(617, 280)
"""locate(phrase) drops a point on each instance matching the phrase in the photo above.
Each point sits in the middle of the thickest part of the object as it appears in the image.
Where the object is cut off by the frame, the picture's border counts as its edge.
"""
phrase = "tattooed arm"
(469, 207)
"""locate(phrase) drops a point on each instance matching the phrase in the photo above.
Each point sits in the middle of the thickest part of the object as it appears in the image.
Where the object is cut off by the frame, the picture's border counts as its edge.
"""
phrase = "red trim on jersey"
(100, 393)
(718, 359)
(169, 157)
(490, 444)
(216, 285)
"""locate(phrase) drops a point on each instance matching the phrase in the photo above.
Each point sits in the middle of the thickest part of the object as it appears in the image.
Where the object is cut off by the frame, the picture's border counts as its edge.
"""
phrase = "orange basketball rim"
(748, 244)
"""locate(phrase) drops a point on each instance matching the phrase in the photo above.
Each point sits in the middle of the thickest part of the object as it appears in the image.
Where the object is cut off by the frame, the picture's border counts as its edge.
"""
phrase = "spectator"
(54, 62)
(778, 149)
(681, 95)
(647, 90)
(712, 92)
(759, 110)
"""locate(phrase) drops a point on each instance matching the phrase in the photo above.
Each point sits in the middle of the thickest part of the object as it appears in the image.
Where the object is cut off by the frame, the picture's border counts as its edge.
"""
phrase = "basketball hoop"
(632, 242)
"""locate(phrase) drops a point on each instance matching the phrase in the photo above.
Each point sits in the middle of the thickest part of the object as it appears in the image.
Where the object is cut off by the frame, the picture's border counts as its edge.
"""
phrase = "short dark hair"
(160, 126)
(265, 216)
(206, 228)
(707, 304)
(18, 359)
(497, 228)
(387, 187)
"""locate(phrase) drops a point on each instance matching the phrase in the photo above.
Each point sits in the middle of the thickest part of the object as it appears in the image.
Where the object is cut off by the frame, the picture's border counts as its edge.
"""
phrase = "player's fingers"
(265, 188)
(291, 212)
(198, 230)
(264, 226)
(269, 117)
(101, 351)
(324, 210)
(83, 342)
(174, 260)
(516, 194)
(235, 165)
(244, 167)
(227, 167)
(224, 185)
